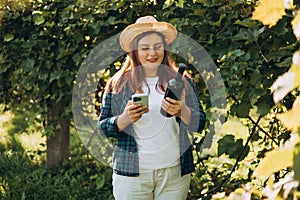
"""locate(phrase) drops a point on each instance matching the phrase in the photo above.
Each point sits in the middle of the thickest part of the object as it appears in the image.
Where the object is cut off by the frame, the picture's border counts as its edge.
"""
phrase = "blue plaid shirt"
(125, 156)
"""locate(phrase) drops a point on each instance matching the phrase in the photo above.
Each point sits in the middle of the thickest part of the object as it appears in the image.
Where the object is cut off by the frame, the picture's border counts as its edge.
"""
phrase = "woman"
(153, 155)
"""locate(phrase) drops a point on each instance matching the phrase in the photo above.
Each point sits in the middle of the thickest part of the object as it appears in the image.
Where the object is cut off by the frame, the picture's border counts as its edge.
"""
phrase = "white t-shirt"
(156, 136)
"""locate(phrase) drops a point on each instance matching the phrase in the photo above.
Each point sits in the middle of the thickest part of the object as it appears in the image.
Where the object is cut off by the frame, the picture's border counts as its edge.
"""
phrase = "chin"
(151, 65)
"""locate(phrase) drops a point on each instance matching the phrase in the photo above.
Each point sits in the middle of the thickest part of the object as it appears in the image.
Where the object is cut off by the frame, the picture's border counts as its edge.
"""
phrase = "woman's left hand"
(175, 107)
(171, 106)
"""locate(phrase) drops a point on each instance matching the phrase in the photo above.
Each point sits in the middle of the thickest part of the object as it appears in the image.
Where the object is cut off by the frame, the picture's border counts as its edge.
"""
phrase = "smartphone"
(140, 98)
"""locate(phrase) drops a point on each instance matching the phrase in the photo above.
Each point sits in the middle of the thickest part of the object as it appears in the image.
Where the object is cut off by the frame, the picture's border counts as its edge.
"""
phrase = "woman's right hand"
(131, 113)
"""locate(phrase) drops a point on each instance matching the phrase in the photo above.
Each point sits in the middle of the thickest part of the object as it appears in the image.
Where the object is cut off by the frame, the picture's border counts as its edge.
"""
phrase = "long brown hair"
(132, 72)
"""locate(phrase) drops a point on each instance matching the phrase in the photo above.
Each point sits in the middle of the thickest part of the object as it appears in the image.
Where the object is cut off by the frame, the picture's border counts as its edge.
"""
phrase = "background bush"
(43, 44)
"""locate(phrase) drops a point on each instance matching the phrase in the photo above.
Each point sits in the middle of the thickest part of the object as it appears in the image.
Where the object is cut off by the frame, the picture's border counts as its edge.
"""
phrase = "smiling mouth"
(152, 60)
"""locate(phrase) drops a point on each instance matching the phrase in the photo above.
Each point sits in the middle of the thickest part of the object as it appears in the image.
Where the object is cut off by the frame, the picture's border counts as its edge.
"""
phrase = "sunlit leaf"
(269, 12)
(180, 3)
(291, 118)
(289, 4)
(8, 37)
(296, 25)
(248, 24)
(200, 12)
(168, 3)
(288, 81)
(219, 195)
(239, 194)
(296, 58)
(100, 182)
(283, 85)
(274, 161)
(278, 159)
(38, 19)
(296, 71)
(296, 68)
(282, 189)
(236, 127)
(251, 157)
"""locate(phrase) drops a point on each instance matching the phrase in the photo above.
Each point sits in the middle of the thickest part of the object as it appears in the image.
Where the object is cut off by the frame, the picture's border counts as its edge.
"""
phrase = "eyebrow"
(148, 44)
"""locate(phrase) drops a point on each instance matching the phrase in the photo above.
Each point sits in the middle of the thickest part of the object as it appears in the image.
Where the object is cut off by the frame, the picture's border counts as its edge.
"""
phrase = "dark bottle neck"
(179, 74)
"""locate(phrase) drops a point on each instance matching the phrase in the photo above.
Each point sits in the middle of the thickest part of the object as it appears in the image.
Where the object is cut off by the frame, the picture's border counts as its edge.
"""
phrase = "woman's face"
(150, 53)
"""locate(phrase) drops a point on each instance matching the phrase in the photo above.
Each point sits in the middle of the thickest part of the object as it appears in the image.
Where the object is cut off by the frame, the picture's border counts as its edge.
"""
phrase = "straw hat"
(145, 24)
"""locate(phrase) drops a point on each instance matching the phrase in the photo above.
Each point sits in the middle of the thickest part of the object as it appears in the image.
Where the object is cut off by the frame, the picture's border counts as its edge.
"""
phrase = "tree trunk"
(58, 144)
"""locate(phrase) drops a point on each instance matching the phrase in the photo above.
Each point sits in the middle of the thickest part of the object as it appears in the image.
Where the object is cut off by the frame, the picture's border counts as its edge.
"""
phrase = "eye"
(144, 48)
(158, 47)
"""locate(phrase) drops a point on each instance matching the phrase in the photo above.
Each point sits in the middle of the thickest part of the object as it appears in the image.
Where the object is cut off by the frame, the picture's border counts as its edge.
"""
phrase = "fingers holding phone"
(140, 99)
(133, 111)
(138, 106)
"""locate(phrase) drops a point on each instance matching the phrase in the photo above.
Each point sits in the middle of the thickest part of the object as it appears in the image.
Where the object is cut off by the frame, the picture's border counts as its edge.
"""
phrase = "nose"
(152, 51)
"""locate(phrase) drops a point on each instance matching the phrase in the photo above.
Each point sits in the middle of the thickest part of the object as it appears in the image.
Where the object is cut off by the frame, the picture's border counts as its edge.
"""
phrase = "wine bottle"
(174, 88)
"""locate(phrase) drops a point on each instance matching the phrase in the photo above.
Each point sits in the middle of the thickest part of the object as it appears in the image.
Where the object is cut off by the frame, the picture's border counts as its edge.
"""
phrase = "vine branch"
(237, 160)
(266, 133)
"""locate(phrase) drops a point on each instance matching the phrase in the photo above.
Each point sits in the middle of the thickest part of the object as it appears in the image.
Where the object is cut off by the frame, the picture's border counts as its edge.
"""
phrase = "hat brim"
(133, 30)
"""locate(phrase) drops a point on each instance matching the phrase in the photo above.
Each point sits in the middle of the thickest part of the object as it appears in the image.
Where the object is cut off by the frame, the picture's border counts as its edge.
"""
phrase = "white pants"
(160, 184)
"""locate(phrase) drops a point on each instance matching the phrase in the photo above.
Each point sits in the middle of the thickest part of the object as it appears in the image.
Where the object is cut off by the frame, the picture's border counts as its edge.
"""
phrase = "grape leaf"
(291, 118)
(274, 161)
(283, 85)
(234, 126)
(296, 71)
(229, 146)
(269, 12)
(296, 25)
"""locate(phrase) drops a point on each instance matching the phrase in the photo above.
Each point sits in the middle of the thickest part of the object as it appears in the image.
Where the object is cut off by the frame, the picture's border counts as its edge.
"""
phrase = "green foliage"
(23, 174)
(21, 179)
(43, 44)
(232, 147)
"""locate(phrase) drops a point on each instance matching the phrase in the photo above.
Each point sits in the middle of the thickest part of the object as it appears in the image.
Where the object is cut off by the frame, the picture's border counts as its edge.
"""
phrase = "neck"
(151, 74)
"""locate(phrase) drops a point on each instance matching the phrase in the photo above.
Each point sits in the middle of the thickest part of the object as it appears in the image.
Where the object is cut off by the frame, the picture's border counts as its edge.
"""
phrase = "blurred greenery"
(43, 45)
(24, 175)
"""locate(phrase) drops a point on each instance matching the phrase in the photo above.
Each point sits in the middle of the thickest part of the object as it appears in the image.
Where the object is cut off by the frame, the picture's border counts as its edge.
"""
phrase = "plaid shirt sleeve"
(125, 156)
(197, 124)
(107, 123)
(197, 110)
(198, 117)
